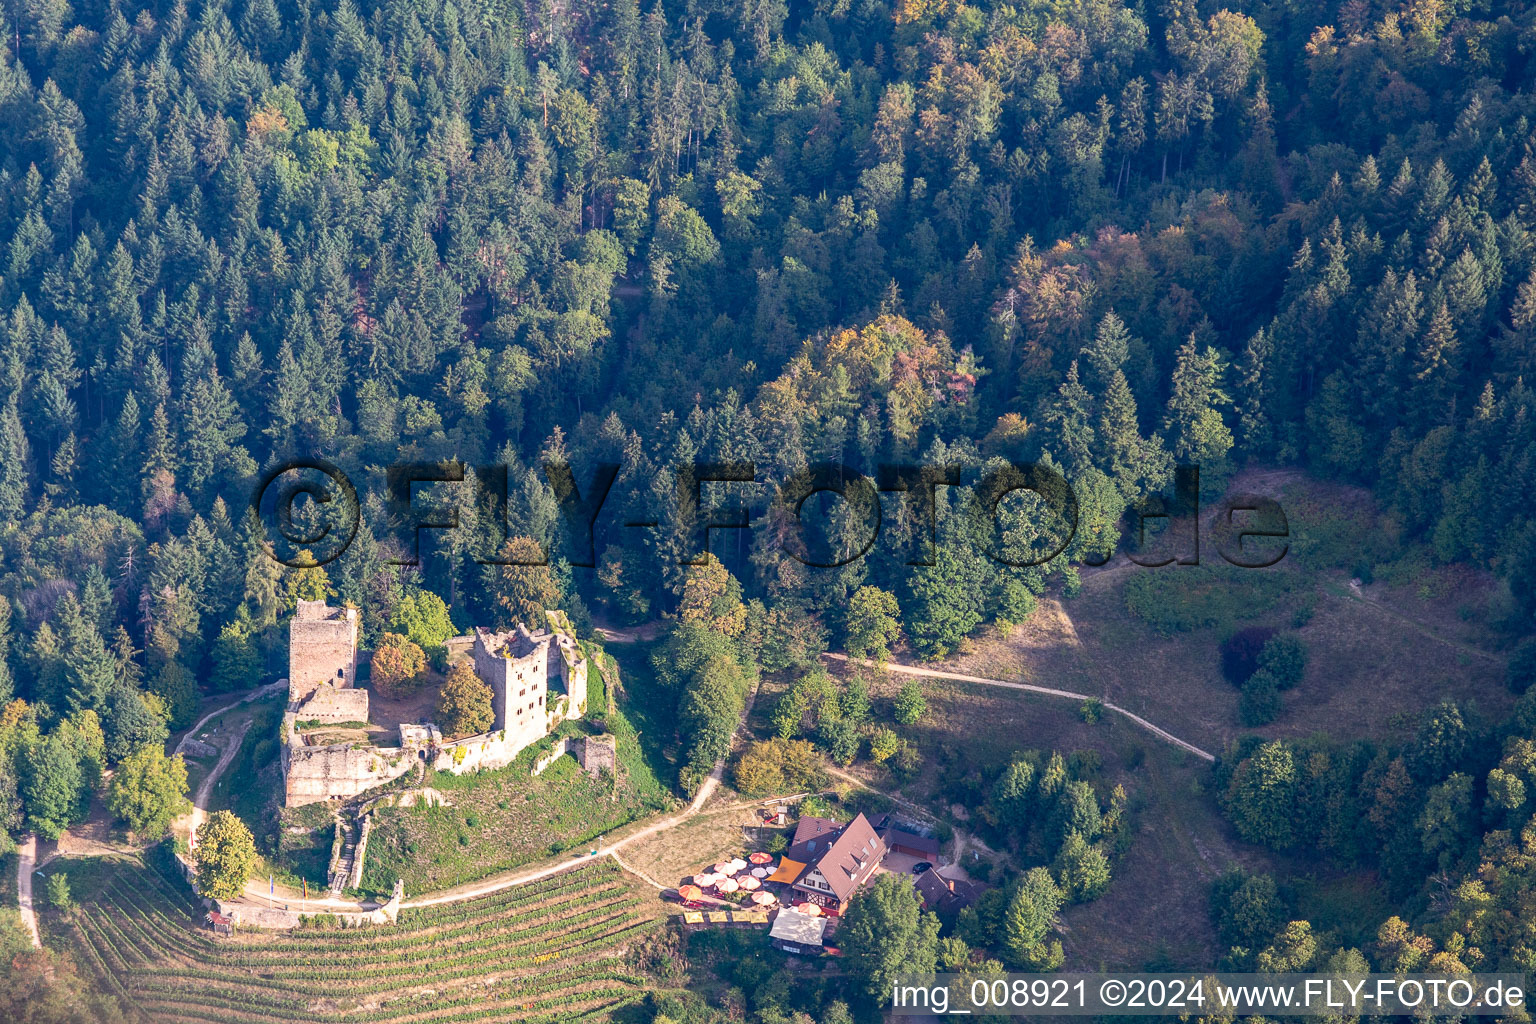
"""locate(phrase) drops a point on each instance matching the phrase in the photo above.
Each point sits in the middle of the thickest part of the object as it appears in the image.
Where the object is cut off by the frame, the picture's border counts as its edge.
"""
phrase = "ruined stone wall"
(314, 774)
(598, 753)
(573, 673)
(561, 748)
(328, 704)
(356, 880)
(567, 659)
(251, 915)
(486, 752)
(324, 773)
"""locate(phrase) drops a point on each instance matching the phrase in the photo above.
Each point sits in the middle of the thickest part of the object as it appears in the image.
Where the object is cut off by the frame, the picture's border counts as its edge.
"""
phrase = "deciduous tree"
(464, 704)
(225, 856)
(148, 790)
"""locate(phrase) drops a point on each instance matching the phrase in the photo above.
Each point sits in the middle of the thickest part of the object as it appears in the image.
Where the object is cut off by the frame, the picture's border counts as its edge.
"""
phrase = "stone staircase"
(345, 860)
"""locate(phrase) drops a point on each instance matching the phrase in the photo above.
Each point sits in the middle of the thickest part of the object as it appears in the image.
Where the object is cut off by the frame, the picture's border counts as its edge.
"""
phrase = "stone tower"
(515, 665)
(322, 649)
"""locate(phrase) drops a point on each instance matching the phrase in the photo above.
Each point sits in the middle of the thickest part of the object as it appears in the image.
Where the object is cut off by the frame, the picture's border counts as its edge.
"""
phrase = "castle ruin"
(519, 665)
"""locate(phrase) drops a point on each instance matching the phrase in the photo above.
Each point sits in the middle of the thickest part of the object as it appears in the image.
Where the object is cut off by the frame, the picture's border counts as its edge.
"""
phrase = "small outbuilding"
(900, 840)
(219, 923)
(798, 933)
(945, 895)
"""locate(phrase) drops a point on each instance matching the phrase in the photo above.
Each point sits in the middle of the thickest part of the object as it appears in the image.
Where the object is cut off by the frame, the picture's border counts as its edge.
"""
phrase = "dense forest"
(1107, 238)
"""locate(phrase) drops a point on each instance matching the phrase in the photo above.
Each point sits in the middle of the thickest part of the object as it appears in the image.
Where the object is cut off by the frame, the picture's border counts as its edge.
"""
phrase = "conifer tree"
(14, 457)
(1197, 432)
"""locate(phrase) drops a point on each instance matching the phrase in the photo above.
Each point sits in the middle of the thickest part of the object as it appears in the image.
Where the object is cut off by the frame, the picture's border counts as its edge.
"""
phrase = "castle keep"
(322, 664)
(519, 665)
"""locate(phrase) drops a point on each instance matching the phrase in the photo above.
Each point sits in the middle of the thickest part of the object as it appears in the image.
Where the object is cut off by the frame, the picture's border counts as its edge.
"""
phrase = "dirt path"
(646, 631)
(256, 694)
(199, 813)
(26, 861)
(1357, 593)
(913, 670)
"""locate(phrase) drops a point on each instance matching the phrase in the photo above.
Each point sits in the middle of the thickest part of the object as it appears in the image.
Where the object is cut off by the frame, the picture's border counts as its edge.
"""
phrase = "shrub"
(1260, 700)
(908, 762)
(1285, 658)
(883, 744)
(1246, 908)
(1521, 672)
(1015, 603)
(1207, 596)
(779, 766)
(1091, 710)
(910, 703)
(56, 891)
(1240, 653)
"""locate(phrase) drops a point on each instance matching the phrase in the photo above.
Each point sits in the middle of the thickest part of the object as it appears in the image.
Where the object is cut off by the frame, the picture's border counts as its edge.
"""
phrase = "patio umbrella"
(749, 883)
(762, 899)
(737, 864)
(689, 893)
(723, 868)
(729, 885)
(760, 857)
(761, 872)
(809, 909)
(706, 880)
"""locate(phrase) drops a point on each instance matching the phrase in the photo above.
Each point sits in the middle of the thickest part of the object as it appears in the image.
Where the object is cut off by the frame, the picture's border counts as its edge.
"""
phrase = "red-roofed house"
(838, 859)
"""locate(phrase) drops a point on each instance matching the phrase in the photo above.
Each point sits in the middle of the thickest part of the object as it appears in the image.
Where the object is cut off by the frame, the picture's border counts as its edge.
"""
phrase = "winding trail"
(913, 670)
(256, 694)
(199, 812)
(26, 861)
(1358, 595)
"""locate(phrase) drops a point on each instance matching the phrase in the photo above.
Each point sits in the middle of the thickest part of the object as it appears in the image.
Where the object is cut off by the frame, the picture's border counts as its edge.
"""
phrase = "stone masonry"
(598, 754)
(322, 649)
(519, 665)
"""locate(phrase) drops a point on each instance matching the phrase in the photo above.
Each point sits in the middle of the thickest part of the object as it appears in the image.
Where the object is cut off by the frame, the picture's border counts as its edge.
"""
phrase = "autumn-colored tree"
(397, 665)
(712, 598)
(464, 704)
